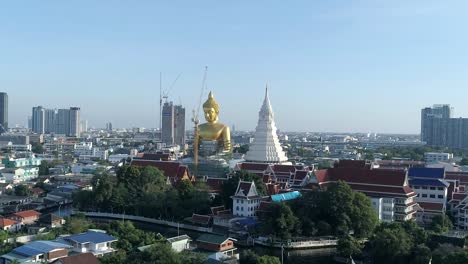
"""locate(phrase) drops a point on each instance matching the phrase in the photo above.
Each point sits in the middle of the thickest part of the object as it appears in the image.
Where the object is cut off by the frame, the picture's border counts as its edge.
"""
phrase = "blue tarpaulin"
(285, 196)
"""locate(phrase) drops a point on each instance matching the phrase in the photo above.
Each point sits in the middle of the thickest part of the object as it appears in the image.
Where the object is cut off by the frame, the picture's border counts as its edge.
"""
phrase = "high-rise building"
(61, 121)
(3, 112)
(109, 127)
(173, 124)
(439, 129)
(38, 120)
(428, 115)
(49, 121)
(75, 121)
(84, 126)
(179, 125)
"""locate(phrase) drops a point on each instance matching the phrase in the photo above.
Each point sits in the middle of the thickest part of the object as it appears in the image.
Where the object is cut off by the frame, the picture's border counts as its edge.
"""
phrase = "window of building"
(432, 196)
(440, 196)
(424, 195)
(432, 188)
(424, 188)
(440, 188)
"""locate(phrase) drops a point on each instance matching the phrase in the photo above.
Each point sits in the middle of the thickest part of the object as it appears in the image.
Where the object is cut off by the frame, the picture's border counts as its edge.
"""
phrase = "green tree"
(119, 257)
(77, 224)
(390, 244)
(37, 148)
(268, 260)
(44, 168)
(441, 224)
(160, 253)
(22, 190)
(281, 222)
(464, 161)
(421, 255)
(349, 246)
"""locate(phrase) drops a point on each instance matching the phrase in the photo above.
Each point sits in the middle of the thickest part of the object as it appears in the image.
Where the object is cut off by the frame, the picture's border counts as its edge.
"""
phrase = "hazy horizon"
(344, 66)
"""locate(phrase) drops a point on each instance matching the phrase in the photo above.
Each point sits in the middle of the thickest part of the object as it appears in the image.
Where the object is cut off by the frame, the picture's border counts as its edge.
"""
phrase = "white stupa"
(266, 147)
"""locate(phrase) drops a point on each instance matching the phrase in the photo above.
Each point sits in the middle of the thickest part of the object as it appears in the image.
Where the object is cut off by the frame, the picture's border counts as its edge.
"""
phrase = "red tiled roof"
(459, 196)
(286, 168)
(394, 190)
(4, 222)
(156, 156)
(367, 176)
(300, 175)
(201, 219)
(272, 188)
(245, 187)
(439, 207)
(361, 164)
(84, 258)
(215, 184)
(169, 168)
(252, 166)
(25, 214)
(217, 209)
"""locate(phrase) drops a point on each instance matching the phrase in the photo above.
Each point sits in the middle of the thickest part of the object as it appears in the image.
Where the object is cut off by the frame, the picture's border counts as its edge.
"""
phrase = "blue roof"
(432, 173)
(38, 247)
(285, 196)
(91, 237)
(428, 182)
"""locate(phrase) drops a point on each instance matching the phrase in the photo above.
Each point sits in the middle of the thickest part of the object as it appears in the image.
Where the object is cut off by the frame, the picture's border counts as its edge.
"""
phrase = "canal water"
(304, 256)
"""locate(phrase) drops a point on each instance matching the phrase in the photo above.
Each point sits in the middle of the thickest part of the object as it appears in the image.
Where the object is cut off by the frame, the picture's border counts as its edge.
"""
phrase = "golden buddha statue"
(212, 130)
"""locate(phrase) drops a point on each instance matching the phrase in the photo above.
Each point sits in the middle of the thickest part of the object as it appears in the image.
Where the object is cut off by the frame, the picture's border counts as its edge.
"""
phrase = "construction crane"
(196, 121)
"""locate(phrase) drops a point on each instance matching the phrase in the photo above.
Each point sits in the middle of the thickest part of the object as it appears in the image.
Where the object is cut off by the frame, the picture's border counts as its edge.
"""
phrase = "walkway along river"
(168, 229)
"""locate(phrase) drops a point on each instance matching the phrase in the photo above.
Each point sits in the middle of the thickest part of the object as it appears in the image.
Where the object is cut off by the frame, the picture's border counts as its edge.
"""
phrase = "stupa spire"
(266, 146)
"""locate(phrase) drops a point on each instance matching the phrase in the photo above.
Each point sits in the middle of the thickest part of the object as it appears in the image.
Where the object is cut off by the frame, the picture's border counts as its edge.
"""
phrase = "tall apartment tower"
(431, 119)
(62, 122)
(49, 121)
(38, 120)
(75, 120)
(3, 112)
(173, 124)
(179, 125)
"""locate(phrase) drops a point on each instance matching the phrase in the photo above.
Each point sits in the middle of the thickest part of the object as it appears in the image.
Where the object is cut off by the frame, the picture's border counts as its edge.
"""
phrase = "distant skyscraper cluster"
(3, 112)
(61, 121)
(440, 129)
(173, 124)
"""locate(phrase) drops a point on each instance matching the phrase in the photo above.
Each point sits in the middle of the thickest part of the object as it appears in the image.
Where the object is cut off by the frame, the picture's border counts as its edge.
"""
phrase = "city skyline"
(336, 67)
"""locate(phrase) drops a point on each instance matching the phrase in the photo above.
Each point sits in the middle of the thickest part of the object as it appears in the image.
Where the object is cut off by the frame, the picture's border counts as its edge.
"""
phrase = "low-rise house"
(98, 243)
(180, 243)
(51, 221)
(9, 225)
(224, 247)
(37, 252)
(85, 258)
(17, 175)
(26, 217)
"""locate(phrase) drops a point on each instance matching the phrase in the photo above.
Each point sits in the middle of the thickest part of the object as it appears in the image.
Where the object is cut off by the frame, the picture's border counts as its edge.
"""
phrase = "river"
(305, 256)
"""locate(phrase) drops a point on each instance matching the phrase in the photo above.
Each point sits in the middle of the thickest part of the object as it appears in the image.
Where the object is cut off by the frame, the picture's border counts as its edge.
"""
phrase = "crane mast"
(196, 121)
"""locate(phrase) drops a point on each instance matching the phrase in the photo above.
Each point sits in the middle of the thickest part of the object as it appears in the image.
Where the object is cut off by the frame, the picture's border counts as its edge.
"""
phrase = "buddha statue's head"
(211, 109)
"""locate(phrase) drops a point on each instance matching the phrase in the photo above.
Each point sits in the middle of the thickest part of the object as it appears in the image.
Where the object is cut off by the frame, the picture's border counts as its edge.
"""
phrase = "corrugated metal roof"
(285, 196)
(39, 247)
(428, 182)
(92, 237)
(433, 173)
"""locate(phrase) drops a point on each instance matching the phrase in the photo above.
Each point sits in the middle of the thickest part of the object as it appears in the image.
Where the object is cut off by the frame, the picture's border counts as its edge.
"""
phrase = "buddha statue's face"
(210, 115)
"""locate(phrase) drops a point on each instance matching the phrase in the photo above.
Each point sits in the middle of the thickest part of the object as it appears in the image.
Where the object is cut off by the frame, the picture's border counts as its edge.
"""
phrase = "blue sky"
(367, 66)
